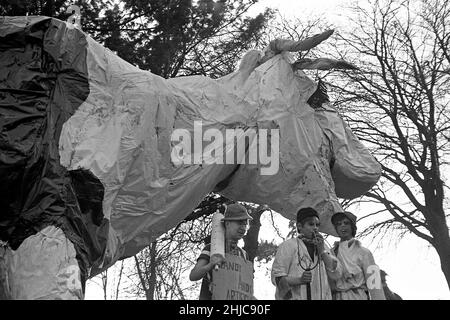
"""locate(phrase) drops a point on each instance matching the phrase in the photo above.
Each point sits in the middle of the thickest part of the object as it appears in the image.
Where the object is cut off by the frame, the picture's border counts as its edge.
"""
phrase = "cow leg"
(44, 267)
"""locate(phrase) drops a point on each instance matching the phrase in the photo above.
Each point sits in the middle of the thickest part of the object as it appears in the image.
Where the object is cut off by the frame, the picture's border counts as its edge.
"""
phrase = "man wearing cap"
(303, 264)
(235, 221)
(360, 278)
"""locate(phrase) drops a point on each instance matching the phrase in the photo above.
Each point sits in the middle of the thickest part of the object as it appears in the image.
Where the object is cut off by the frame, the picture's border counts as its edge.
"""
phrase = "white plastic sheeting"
(121, 133)
(44, 267)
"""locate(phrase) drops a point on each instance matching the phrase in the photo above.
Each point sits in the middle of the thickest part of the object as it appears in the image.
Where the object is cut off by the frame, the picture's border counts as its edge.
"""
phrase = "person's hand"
(216, 259)
(306, 277)
(319, 242)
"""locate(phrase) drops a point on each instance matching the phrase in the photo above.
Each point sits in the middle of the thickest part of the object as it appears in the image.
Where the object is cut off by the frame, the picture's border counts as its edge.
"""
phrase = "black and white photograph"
(241, 152)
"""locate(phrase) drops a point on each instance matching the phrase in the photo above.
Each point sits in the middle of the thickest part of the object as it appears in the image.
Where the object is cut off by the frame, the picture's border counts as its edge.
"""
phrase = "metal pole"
(308, 288)
(308, 291)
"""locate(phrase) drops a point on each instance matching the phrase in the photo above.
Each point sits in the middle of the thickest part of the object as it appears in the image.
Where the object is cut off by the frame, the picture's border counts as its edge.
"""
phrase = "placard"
(233, 280)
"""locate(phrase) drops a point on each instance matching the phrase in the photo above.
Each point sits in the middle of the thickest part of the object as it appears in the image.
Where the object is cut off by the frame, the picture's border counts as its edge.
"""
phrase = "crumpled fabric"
(44, 267)
(43, 79)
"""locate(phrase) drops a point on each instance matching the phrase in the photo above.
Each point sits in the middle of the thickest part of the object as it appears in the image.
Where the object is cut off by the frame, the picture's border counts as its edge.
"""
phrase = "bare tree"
(110, 281)
(159, 269)
(398, 105)
(251, 238)
(104, 277)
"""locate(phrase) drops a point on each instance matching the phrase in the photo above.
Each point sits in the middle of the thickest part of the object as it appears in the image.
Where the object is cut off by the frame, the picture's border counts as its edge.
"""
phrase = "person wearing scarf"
(360, 278)
(304, 261)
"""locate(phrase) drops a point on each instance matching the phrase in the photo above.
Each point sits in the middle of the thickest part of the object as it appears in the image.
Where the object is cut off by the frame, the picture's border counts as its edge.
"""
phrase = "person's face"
(309, 227)
(344, 229)
(235, 230)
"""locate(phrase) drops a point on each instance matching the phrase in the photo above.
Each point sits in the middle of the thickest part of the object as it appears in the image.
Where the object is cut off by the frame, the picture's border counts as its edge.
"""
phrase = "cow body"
(87, 148)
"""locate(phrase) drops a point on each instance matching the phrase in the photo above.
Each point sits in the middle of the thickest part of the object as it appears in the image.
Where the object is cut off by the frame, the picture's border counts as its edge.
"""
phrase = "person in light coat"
(360, 279)
(303, 264)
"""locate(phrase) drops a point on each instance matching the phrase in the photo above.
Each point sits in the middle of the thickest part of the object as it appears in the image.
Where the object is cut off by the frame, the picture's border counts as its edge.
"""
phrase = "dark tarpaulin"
(43, 80)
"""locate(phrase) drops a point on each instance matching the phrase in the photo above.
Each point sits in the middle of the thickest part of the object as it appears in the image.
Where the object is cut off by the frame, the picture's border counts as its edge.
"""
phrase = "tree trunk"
(441, 241)
(105, 284)
(443, 250)
(150, 293)
(251, 238)
(118, 281)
